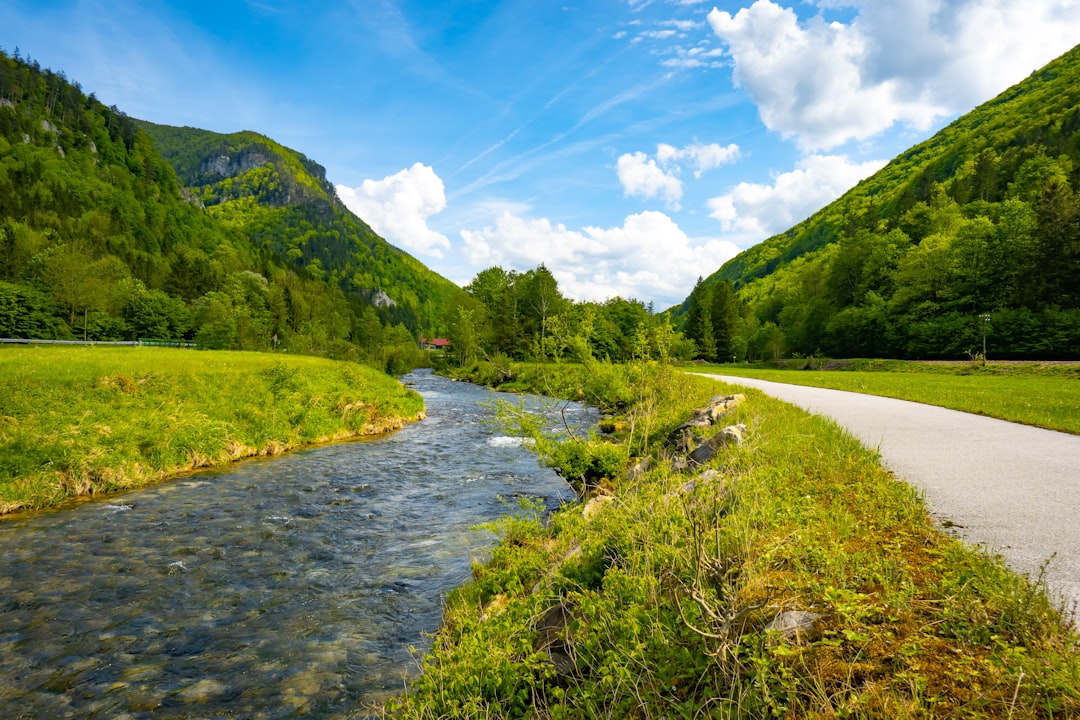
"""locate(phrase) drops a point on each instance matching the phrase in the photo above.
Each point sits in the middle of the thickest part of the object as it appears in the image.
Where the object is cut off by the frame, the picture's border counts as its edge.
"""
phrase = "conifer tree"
(725, 320)
(699, 326)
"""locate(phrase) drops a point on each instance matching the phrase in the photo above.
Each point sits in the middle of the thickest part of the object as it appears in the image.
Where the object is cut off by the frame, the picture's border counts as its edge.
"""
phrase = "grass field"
(81, 420)
(656, 600)
(1044, 396)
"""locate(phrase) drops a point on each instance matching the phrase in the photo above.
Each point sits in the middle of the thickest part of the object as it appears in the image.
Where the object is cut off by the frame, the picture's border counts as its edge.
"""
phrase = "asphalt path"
(1010, 489)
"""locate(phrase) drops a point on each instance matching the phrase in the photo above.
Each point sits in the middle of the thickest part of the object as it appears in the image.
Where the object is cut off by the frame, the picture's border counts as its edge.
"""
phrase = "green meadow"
(1046, 396)
(86, 420)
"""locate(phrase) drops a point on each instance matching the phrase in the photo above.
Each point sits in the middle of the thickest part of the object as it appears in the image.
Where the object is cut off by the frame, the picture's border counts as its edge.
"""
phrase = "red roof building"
(434, 343)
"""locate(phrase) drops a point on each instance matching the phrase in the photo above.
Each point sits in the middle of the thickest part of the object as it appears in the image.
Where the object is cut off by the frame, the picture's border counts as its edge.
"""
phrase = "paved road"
(1012, 489)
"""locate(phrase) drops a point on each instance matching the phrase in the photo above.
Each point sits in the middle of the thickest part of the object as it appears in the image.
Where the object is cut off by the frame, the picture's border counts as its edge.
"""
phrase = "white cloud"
(682, 25)
(658, 34)
(752, 212)
(397, 207)
(641, 177)
(701, 157)
(645, 177)
(700, 55)
(649, 256)
(902, 61)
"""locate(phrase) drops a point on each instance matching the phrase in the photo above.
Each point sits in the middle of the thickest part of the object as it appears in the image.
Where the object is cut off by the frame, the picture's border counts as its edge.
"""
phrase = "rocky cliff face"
(380, 299)
(231, 166)
(257, 171)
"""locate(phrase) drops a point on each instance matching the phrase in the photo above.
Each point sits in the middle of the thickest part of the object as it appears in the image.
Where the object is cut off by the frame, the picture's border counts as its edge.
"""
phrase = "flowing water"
(277, 588)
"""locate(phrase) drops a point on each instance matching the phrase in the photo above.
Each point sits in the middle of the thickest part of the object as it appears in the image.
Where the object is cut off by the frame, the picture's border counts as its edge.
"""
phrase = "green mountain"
(242, 245)
(281, 201)
(975, 230)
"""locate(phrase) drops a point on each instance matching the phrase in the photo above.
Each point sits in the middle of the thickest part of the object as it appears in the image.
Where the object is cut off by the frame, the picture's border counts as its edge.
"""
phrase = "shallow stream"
(276, 588)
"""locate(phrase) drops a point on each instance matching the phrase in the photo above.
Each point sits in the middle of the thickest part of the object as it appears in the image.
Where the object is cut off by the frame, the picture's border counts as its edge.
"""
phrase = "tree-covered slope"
(976, 229)
(282, 202)
(93, 227)
(99, 239)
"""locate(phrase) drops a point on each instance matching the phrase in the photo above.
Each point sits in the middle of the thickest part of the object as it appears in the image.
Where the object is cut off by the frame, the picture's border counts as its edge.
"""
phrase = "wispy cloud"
(656, 35)
(515, 166)
(623, 97)
(487, 151)
(682, 25)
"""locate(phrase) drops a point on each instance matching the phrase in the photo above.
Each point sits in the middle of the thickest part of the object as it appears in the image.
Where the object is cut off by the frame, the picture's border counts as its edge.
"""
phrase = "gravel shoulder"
(1011, 489)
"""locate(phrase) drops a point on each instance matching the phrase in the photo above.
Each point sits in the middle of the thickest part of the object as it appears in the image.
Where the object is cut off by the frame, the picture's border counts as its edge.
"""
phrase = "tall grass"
(656, 602)
(87, 420)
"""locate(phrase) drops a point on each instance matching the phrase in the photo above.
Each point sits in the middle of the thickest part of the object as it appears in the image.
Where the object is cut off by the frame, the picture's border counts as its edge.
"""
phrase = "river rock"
(722, 405)
(683, 438)
(638, 469)
(552, 639)
(202, 691)
(731, 435)
(495, 607)
(595, 505)
(543, 582)
(795, 625)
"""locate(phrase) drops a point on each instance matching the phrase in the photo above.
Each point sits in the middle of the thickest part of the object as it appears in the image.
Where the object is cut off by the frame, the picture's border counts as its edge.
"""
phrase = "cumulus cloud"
(397, 207)
(752, 212)
(648, 256)
(903, 61)
(642, 177)
(649, 177)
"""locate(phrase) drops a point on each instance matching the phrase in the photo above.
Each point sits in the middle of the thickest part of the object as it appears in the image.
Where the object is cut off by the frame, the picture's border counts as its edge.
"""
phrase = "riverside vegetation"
(656, 601)
(78, 420)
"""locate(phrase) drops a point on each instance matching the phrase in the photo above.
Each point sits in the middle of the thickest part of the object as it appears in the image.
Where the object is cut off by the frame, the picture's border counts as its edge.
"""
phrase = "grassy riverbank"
(78, 420)
(655, 601)
(1046, 396)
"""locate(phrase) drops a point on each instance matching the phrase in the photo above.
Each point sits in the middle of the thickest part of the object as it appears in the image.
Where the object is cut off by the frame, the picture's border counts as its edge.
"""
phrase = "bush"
(587, 463)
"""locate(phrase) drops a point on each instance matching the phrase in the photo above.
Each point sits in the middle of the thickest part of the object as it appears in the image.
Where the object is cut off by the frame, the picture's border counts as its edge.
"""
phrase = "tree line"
(518, 315)
(993, 258)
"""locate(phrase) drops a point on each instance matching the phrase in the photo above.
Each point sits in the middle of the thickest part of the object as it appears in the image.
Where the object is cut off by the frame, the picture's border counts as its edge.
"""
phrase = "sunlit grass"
(86, 420)
(1047, 397)
(658, 601)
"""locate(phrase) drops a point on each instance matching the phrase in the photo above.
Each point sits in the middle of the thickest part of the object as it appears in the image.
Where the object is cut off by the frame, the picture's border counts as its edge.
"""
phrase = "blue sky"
(630, 145)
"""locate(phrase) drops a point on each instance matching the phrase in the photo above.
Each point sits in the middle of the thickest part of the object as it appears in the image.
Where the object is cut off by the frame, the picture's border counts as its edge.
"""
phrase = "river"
(276, 588)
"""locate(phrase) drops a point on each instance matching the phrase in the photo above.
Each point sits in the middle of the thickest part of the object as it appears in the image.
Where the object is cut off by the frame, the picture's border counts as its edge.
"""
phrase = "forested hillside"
(100, 240)
(281, 201)
(975, 230)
